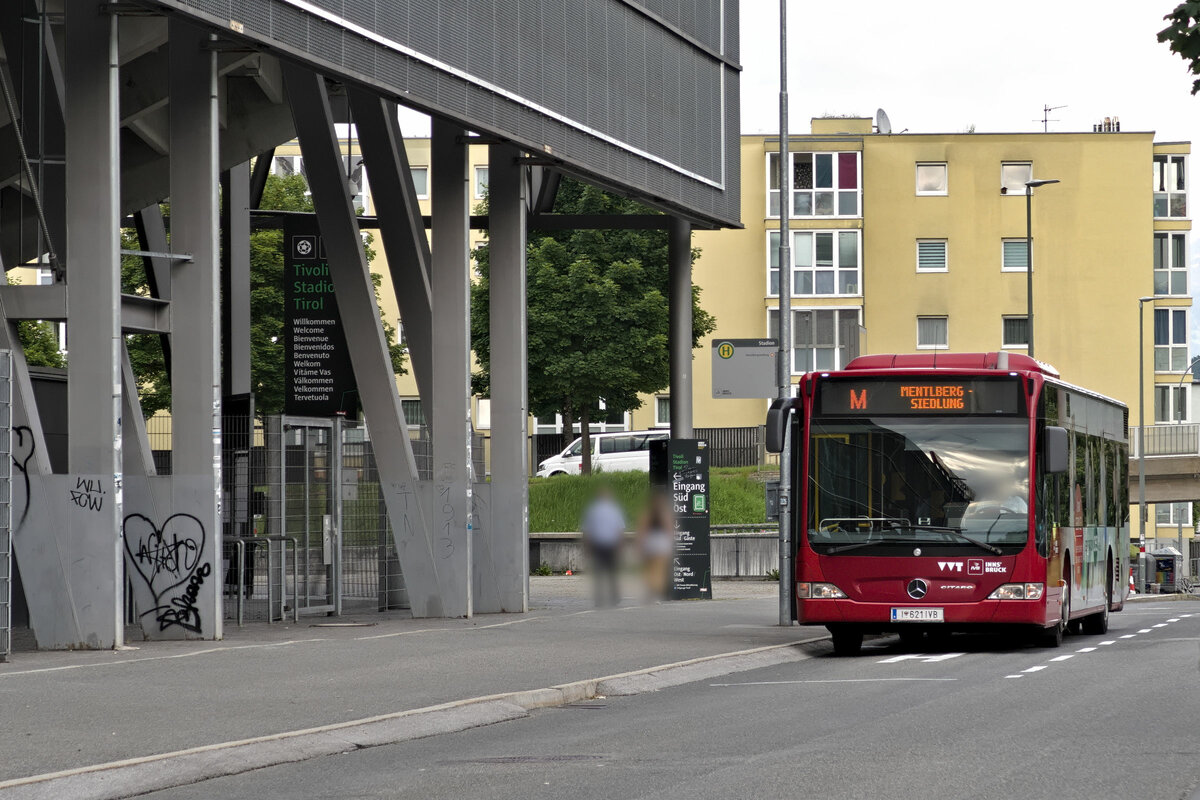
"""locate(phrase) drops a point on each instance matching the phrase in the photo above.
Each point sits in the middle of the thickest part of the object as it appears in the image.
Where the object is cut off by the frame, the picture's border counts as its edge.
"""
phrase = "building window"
(823, 263)
(413, 415)
(1170, 263)
(1170, 186)
(662, 411)
(45, 277)
(1170, 340)
(420, 178)
(933, 333)
(931, 255)
(483, 413)
(1014, 175)
(1170, 403)
(481, 182)
(1173, 514)
(285, 166)
(1014, 255)
(823, 185)
(1014, 331)
(932, 179)
(822, 338)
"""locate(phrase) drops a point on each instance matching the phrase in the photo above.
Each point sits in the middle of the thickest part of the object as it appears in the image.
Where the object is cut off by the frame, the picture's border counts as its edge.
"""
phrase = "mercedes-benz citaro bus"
(954, 492)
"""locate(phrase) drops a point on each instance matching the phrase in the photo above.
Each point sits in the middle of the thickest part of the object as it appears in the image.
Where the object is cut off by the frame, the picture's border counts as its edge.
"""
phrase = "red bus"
(954, 492)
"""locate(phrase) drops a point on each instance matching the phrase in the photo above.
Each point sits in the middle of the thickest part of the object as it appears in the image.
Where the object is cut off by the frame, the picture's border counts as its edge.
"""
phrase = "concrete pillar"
(502, 559)
(679, 256)
(94, 561)
(195, 324)
(450, 413)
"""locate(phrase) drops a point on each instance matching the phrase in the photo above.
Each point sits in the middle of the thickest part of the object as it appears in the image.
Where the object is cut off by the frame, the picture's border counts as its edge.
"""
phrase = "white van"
(619, 451)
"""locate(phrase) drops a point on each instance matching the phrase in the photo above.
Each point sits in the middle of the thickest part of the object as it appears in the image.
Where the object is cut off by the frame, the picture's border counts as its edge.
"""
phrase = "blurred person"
(656, 545)
(603, 526)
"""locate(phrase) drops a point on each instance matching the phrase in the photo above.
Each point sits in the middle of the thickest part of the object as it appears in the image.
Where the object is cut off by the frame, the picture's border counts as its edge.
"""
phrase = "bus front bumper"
(880, 617)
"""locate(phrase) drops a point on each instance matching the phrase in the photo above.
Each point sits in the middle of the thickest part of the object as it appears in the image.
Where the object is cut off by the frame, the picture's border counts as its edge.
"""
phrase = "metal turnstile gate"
(308, 511)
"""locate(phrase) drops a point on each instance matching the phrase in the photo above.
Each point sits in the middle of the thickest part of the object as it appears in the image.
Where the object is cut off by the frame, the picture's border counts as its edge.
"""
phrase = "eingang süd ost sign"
(680, 467)
(318, 378)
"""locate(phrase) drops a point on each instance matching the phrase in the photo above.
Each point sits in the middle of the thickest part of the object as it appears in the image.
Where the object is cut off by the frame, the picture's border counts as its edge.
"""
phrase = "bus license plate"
(917, 615)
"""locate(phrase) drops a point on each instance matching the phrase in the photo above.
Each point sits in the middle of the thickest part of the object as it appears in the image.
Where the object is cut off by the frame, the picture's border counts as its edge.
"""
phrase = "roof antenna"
(1045, 120)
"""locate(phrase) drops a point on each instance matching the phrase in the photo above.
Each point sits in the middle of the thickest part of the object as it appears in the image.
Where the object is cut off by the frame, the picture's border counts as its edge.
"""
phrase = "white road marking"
(1143, 630)
(1173, 619)
(920, 657)
(1185, 615)
(1161, 625)
(1085, 650)
(1129, 636)
(1014, 676)
(839, 680)
(190, 654)
(1063, 658)
(1104, 643)
(1035, 669)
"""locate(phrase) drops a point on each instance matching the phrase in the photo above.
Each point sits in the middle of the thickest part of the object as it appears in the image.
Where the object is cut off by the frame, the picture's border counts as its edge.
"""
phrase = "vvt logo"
(950, 566)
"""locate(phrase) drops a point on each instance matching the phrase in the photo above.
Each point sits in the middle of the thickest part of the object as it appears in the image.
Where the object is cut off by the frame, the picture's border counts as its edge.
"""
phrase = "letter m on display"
(858, 400)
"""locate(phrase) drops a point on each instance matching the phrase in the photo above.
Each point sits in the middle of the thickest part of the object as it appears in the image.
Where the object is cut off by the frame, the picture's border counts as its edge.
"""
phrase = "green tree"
(597, 314)
(39, 340)
(282, 193)
(1183, 35)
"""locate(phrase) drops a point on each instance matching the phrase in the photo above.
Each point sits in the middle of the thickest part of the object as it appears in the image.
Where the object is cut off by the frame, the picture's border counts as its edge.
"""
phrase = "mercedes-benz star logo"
(917, 588)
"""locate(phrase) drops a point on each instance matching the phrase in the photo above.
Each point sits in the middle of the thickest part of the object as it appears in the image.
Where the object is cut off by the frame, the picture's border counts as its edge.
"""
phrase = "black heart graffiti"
(166, 558)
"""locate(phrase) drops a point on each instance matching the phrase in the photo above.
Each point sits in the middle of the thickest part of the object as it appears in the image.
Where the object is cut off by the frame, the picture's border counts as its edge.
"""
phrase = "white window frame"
(916, 181)
(836, 268)
(1024, 189)
(1024, 243)
(1174, 519)
(837, 347)
(483, 413)
(792, 156)
(1169, 268)
(944, 346)
(476, 186)
(1004, 345)
(594, 426)
(424, 420)
(1167, 193)
(659, 422)
(1177, 400)
(424, 169)
(1172, 347)
(945, 255)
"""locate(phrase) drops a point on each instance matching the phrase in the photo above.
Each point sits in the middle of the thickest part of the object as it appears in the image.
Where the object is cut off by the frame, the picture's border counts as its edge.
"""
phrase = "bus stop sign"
(744, 368)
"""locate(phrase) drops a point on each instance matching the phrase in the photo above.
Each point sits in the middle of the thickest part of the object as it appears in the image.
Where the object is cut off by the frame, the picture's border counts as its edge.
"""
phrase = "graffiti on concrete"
(88, 494)
(167, 558)
(23, 449)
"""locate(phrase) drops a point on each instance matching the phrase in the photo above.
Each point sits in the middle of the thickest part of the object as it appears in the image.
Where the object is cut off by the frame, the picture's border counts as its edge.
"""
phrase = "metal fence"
(733, 447)
(6, 462)
(1167, 440)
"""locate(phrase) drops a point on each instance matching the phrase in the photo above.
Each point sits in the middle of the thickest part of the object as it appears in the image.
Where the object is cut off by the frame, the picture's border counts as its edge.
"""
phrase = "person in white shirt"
(603, 527)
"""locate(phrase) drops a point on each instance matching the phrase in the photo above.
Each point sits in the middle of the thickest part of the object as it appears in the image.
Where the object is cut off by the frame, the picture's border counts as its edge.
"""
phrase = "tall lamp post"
(1142, 438)
(1029, 187)
(786, 567)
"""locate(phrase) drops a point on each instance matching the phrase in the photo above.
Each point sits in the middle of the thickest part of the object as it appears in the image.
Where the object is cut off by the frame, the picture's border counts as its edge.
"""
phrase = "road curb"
(135, 776)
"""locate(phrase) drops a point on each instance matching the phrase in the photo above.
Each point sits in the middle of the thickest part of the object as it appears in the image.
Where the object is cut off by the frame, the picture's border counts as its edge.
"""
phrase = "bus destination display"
(891, 397)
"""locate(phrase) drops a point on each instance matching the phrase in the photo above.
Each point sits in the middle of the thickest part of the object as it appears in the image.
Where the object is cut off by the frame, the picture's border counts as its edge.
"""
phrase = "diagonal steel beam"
(401, 225)
(350, 273)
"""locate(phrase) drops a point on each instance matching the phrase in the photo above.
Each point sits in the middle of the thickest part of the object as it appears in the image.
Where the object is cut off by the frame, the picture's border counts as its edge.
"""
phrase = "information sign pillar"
(680, 468)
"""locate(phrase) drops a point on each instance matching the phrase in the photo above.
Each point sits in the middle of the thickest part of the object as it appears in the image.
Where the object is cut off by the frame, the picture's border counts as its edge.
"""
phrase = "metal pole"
(1141, 444)
(785, 525)
(679, 255)
(785, 332)
(1029, 264)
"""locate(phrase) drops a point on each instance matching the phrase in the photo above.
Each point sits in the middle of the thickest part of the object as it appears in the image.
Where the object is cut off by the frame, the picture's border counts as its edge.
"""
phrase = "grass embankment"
(556, 504)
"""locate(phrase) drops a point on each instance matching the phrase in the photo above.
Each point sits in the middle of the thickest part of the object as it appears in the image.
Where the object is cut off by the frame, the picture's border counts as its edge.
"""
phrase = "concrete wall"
(734, 555)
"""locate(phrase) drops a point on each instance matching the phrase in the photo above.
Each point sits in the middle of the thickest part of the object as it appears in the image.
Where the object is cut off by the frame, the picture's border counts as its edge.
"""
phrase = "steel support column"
(94, 564)
(679, 257)
(450, 413)
(235, 280)
(348, 269)
(402, 227)
(502, 559)
(195, 339)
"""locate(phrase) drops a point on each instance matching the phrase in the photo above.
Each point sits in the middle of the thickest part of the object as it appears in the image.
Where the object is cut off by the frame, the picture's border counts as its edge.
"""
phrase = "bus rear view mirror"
(1057, 453)
(777, 420)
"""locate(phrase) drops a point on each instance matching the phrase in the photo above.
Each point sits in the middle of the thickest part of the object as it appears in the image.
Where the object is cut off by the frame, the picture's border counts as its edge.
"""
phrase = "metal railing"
(247, 590)
(1181, 439)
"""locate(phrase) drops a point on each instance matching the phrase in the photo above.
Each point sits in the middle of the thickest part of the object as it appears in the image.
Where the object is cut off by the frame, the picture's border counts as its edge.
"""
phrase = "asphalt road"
(1115, 716)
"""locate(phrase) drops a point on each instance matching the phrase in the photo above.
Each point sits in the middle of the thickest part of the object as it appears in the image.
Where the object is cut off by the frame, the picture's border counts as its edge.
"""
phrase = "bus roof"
(968, 361)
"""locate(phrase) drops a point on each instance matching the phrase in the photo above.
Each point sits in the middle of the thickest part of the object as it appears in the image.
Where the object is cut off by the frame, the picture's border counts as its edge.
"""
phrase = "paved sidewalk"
(63, 710)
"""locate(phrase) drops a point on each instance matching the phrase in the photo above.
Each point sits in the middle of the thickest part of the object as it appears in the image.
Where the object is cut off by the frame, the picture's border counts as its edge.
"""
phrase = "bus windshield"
(957, 482)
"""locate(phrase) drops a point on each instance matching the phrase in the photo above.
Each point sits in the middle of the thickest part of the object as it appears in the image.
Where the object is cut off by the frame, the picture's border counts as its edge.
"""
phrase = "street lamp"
(1142, 437)
(1030, 185)
(1193, 369)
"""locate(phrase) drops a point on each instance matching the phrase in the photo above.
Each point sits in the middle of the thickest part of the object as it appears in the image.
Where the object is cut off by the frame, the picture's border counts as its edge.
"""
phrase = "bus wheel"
(1052, 637)
(1098, 623)
(846, 642)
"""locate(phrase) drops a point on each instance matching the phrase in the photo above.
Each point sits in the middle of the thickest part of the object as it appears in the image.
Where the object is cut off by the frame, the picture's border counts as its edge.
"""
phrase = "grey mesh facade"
(641, 94)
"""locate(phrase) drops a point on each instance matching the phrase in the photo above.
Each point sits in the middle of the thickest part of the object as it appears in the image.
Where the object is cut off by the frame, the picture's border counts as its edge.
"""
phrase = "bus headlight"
(1019, 591)
(818, 591)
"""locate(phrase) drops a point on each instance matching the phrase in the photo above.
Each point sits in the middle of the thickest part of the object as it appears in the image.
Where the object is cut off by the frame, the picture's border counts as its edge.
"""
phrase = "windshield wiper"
(856, 545)
(957, 532)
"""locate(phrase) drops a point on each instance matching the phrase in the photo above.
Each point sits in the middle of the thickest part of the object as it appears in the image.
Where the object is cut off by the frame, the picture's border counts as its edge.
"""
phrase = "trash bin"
(1165, 568)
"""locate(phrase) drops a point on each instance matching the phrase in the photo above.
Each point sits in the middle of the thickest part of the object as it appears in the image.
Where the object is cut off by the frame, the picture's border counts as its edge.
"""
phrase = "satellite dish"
(882, 123)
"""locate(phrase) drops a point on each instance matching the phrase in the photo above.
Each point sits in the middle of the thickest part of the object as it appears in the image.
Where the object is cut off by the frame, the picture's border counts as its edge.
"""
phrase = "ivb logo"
(975, 566)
